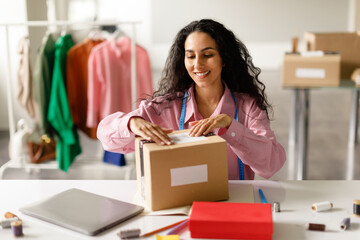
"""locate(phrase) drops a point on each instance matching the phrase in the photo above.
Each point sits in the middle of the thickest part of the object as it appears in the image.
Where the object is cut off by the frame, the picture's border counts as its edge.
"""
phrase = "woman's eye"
(208, 55)
(190, 57)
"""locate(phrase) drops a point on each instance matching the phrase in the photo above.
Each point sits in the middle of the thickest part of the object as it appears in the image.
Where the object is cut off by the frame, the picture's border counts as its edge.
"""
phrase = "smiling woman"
(209, 84)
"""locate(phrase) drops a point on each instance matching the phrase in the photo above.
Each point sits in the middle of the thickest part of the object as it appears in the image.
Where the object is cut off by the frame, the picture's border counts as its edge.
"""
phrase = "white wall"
(265, 26)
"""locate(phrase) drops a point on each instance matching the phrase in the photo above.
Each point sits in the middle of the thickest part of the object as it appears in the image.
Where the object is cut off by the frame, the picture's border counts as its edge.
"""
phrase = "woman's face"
(202, 60)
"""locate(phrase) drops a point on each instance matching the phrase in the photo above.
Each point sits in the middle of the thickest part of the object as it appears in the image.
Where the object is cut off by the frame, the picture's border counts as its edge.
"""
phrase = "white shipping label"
(185, 138)
(189, 175)
(310, 73)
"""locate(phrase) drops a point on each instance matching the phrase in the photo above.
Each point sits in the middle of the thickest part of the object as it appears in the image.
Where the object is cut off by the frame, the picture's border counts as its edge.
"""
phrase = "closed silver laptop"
(82, 211)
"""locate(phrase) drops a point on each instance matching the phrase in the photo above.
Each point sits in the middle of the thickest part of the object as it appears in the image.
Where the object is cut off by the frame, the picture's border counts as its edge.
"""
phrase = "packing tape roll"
(356, 208)
(322, 206)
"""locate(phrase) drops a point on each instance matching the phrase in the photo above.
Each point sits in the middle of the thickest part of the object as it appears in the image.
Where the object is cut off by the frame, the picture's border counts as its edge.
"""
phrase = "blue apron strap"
(241, 164)
(182, 113)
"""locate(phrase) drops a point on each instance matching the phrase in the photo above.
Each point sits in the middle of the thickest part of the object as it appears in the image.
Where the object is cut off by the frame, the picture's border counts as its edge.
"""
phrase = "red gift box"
(224, 220)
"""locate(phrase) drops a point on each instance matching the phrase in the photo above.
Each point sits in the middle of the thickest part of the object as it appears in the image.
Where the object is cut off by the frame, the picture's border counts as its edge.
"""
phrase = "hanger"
(97, 34)
(118, 33)
(63, 30)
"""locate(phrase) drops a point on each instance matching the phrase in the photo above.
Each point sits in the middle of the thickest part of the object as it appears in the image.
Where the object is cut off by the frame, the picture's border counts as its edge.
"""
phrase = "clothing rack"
(29, 166)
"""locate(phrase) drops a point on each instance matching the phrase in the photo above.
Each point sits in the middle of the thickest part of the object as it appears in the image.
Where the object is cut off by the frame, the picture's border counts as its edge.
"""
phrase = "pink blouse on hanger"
(109, 83)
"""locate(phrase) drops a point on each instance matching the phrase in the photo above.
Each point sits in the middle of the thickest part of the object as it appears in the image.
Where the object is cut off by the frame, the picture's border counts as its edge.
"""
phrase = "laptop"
(82, 211)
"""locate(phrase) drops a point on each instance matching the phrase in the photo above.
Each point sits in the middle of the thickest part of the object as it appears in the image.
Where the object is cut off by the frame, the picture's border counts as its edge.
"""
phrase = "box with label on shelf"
(311, 71)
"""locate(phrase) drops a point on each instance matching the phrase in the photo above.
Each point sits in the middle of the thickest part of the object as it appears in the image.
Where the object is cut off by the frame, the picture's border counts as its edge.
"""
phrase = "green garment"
(59, 116)
(42, 75)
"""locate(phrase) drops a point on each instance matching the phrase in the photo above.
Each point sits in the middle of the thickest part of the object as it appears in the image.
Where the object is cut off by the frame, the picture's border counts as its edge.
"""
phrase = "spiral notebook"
(82, 211)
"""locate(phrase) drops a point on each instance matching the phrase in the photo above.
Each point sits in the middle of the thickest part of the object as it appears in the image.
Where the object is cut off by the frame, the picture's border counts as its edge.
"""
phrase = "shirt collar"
(226, 105)
(118, 46)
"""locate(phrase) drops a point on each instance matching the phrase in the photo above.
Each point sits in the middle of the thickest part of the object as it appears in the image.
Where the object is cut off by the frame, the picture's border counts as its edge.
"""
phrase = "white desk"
(295, 197)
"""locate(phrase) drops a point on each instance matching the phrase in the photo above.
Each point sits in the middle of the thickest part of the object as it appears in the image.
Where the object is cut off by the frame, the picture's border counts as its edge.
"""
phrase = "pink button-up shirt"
(109, 78)
(250, 138)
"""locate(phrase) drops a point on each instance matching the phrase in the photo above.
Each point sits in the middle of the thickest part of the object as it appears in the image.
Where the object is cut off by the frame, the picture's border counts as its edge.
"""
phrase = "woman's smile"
(202, 74)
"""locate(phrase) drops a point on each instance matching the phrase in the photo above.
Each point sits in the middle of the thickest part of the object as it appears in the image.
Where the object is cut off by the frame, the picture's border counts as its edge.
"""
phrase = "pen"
(179, 228)
(262, 196)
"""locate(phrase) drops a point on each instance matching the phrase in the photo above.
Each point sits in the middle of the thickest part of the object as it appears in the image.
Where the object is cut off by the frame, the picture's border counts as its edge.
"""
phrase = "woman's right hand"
(150, 131)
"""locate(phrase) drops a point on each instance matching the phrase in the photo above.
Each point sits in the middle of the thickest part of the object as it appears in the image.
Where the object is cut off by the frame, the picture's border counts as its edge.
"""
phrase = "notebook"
(82, 211)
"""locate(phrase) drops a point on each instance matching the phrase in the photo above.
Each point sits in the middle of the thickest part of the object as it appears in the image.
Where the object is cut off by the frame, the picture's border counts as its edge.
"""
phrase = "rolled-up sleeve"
(113, 131)
(114, 134)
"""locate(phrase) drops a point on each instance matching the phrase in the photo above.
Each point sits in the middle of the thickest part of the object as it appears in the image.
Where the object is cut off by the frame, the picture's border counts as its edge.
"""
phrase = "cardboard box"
(176, 175)
(300, 71)
(224, 220)
(347, 43)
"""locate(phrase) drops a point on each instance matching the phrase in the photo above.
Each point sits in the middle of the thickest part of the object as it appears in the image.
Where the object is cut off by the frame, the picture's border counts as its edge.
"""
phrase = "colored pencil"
(179, 228)
(162, 229)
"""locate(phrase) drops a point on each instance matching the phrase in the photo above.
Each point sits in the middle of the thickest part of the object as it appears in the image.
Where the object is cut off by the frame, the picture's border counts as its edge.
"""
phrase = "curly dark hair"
(239, 72)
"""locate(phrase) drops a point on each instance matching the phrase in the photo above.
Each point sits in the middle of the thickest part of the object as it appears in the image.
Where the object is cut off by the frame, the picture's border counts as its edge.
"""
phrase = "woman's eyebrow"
(207, 48)
(204, 49)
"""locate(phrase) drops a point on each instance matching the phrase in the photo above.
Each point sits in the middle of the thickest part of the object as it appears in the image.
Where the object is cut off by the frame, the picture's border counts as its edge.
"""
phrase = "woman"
(209, 84)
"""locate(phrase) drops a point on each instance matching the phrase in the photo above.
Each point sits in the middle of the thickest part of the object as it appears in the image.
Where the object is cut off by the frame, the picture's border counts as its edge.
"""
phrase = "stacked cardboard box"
(346, 43)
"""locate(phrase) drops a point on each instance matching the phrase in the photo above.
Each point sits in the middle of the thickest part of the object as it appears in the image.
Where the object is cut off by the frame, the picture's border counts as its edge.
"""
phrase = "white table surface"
(295, 197)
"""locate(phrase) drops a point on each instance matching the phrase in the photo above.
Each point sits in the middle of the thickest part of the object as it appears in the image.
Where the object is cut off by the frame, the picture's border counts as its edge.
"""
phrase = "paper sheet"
(243, 193)
(184, 210)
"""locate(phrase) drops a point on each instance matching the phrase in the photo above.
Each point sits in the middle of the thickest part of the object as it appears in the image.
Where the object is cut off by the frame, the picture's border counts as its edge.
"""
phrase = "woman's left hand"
(205, 126)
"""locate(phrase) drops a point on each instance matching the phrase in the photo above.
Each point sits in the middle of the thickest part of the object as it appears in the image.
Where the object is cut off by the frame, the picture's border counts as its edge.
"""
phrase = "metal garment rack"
(12, 163)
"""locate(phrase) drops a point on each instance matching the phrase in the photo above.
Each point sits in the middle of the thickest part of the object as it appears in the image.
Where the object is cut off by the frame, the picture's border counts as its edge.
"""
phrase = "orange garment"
(77, 83)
